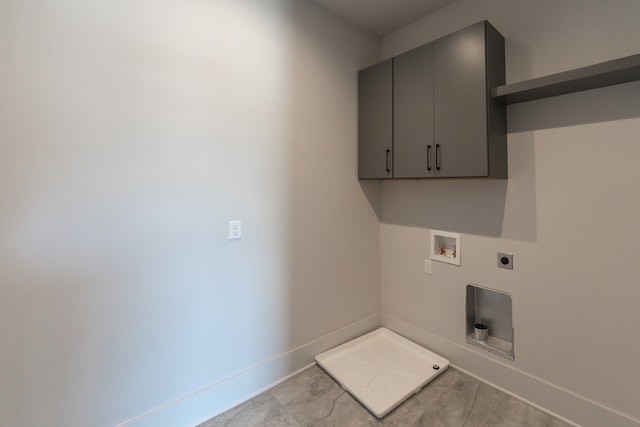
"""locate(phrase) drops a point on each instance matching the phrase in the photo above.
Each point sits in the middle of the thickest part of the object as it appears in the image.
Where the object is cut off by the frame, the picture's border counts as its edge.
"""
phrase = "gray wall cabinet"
(414, 149)
(444, 122)
(375, 121)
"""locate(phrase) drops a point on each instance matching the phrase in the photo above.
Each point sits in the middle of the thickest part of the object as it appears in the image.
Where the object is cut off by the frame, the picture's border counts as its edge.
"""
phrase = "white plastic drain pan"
(381, 369)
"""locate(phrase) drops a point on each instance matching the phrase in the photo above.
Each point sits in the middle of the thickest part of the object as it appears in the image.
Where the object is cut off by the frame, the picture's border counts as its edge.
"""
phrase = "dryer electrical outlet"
(505, 261)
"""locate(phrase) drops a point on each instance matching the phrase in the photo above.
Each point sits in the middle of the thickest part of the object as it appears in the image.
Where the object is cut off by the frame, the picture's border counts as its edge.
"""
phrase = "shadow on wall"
(332, 231)
(493, 208)
(592, 106)
(464, 206)
(501, 209)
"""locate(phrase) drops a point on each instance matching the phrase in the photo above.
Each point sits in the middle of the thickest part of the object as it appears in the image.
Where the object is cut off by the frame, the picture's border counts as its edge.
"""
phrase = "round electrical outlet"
(505, 261)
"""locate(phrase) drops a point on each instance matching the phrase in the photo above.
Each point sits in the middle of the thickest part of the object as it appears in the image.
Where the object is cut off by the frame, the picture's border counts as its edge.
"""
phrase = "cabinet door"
(375, 127)
(460, 86)
(413, 147)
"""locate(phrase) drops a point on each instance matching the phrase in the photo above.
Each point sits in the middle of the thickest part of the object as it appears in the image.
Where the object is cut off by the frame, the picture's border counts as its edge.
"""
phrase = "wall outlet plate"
(505, 261)
(235, 230)
(427, 266)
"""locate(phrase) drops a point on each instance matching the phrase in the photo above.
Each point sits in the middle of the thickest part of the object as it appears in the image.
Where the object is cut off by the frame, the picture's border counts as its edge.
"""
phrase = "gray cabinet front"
(375, 126)
(470, 127)
(414, 149)
(428, 113)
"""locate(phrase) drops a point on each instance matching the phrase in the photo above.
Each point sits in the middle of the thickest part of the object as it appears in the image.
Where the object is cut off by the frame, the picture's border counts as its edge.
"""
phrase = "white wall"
(130, 134)
(569, 213)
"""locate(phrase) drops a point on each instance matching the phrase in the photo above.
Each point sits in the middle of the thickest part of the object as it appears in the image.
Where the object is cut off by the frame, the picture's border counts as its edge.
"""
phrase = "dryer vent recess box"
(411, 107)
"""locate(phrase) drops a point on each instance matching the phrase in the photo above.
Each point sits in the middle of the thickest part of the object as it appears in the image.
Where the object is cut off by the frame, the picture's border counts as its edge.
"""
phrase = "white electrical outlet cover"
(235, 230)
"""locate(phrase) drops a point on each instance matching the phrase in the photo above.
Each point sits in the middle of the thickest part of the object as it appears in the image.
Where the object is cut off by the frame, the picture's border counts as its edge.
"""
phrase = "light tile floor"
(453, 399)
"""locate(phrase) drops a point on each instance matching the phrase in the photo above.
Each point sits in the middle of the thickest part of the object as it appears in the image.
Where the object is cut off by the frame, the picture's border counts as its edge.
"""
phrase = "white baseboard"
(556, 401)
(210, 401)
(201, 405)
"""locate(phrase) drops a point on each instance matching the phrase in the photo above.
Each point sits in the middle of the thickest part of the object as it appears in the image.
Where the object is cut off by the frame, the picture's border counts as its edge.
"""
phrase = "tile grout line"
(333, 407)
(473, 405)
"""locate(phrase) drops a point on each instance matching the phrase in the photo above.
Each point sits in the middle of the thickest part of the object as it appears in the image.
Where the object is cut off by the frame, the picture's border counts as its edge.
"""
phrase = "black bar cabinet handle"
(437, 157)
(387, 161)
(428, 157)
